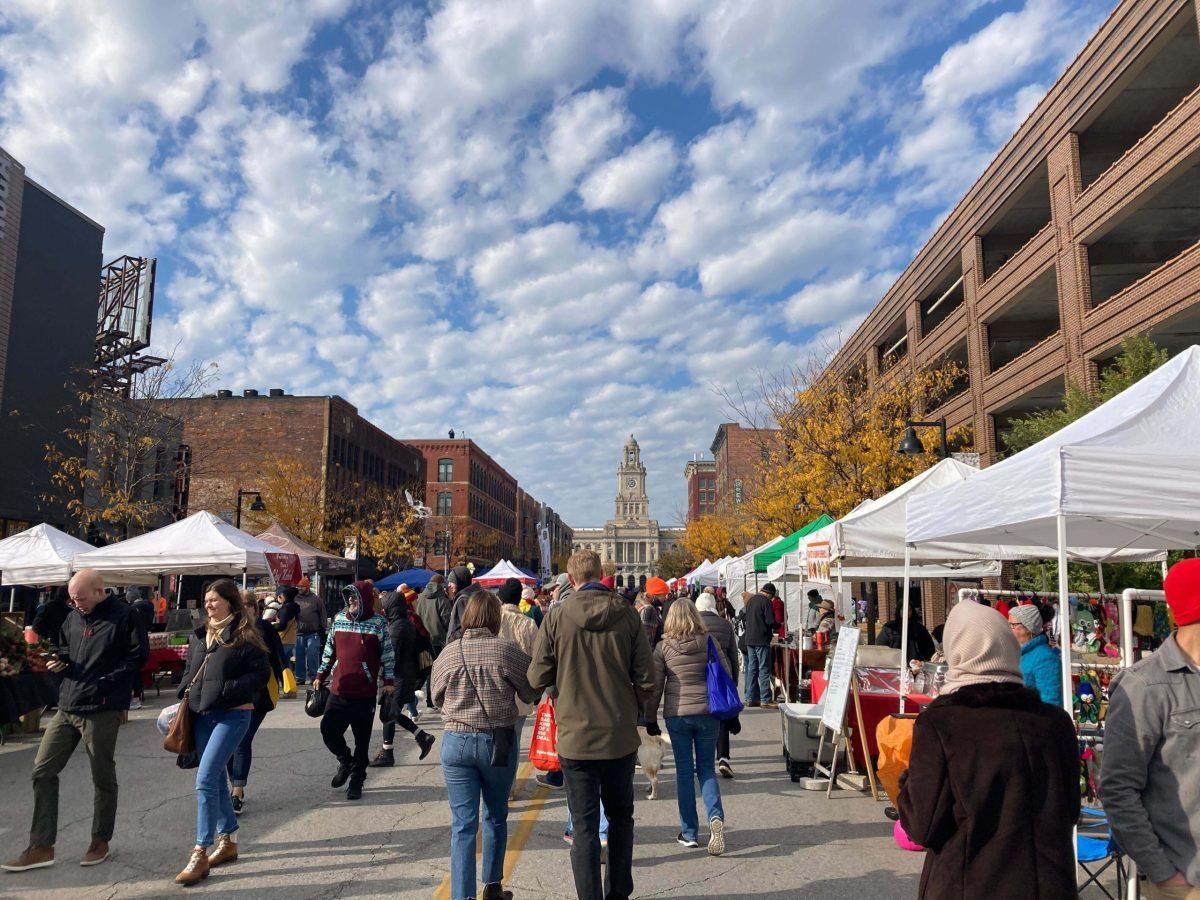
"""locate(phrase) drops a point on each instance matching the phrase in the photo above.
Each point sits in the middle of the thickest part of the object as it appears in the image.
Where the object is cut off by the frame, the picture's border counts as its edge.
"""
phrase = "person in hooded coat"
(406, 647)
(358, 659)
(992, 788)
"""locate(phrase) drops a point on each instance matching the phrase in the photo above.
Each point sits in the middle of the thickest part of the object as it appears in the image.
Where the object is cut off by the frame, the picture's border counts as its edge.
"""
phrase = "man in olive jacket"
(592, 651)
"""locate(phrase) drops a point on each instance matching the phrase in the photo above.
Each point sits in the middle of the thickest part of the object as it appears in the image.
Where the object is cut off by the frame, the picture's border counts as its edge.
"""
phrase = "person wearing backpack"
(681, 687)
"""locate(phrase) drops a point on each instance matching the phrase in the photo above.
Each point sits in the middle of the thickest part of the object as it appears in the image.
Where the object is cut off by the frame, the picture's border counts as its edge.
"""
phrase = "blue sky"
(544, 224)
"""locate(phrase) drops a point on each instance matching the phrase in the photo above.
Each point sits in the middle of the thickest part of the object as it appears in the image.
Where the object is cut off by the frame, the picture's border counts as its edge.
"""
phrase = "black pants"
(589, 783)
(389, 728)
(723, 741)
(427, 685)
(357, 714)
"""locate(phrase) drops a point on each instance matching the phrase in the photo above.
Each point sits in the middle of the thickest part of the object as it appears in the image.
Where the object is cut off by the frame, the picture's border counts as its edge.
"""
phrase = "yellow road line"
(518, 835)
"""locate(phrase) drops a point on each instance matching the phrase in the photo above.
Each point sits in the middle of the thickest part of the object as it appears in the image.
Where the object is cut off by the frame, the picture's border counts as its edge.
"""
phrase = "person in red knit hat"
(1150, 783)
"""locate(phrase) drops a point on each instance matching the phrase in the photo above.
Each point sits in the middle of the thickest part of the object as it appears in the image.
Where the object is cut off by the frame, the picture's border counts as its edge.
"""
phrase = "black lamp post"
(256, 506)
(910, 444)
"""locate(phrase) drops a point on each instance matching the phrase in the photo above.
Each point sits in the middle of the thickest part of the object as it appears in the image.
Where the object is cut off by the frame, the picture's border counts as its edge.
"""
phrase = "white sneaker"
(716, 837)
(135, 703)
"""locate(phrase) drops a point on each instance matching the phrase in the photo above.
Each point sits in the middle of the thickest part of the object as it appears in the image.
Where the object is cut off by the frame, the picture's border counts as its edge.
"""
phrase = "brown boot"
(196, 869)
(226, 851)
(97, 852)
(34, 857)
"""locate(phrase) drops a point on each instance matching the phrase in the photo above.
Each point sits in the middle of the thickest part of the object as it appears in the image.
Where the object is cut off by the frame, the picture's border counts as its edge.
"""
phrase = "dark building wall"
(52, 331)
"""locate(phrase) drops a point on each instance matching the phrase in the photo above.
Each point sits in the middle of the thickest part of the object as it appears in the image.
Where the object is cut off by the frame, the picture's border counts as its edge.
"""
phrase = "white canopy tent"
(199, 544)
(1124, 476)
(500, 573)
(39, 556)
(704, 575)
(739, 571)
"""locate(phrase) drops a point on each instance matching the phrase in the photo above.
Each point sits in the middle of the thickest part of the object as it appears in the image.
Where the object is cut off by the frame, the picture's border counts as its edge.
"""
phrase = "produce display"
(16, 656)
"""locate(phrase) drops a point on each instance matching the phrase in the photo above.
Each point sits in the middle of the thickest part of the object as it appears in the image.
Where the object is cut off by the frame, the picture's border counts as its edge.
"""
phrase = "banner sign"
(285, 567)
(544, 551)
(816, 560)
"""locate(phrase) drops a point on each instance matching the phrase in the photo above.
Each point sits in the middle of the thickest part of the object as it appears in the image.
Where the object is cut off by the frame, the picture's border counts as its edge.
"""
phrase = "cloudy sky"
(546, 223)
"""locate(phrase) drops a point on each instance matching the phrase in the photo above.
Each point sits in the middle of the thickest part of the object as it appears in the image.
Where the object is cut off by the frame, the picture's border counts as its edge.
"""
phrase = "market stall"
(40, 556)
(414, 578)
(26, 687)
(501, 572)
(313, 560)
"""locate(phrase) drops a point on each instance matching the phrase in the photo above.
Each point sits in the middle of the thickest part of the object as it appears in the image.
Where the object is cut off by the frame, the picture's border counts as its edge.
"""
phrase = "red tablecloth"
(172, 658)
(875, 708)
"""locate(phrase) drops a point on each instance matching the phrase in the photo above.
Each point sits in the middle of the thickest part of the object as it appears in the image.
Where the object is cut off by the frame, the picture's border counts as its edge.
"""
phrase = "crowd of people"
(991, 794)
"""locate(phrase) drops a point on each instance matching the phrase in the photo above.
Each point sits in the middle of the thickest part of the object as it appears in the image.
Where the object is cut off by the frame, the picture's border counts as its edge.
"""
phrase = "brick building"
(232, 439)
(738, 458)
(701, 478)
(1082, 230)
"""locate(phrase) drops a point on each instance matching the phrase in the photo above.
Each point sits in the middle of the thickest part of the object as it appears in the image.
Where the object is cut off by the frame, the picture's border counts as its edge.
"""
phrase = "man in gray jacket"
(1150, 781)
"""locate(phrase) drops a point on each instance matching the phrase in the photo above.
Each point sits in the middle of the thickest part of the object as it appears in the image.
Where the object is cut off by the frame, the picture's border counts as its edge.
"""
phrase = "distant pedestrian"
(650, 614)
(144, 610)
(406, 649)
(593, 650)
(283, 613)
(463, 586)
(521, 631)
(721, 632)
(529, 605)
(1041, 665)
(778, 608)
(99, 649)
(992, 790)
(227, 672)
(433, 606)
(681, 686)
(477, 682)
(243, 756)
(311, 626)
(361, 643)
(758, 620)
(50, 616)
(1150, 781)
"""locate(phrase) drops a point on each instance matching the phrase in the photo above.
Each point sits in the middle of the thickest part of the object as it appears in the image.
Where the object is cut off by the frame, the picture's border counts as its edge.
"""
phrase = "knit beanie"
(609, 582)
(1182, 587)
(1027, 614)
(656, 587)
(510, 591)
(980, 648)
(707, 602)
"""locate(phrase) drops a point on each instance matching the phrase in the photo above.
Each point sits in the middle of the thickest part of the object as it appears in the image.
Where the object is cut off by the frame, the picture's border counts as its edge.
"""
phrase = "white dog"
(650, 758)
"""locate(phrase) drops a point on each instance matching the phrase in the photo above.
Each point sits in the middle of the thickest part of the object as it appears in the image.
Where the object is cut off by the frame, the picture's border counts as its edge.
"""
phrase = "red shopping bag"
(543, 746)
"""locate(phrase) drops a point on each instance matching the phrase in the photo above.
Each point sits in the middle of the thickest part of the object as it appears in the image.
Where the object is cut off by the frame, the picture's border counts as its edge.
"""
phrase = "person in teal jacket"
(1041, 665)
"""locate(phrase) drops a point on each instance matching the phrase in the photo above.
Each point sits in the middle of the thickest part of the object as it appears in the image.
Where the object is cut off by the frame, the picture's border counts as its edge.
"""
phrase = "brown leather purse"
(181, 736)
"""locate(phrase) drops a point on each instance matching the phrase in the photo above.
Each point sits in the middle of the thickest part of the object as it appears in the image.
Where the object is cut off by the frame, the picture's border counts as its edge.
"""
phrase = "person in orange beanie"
(1150, 783)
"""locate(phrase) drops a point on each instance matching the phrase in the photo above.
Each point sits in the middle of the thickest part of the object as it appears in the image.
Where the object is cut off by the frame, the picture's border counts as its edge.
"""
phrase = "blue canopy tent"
(414, 578)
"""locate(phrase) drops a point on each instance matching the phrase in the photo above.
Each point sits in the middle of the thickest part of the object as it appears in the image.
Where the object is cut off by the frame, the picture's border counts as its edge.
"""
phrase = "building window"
(444, 501)
(445, 470)
(737, 490)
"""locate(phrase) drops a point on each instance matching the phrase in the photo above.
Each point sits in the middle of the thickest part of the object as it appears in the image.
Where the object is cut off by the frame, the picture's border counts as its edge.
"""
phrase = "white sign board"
(837, 693)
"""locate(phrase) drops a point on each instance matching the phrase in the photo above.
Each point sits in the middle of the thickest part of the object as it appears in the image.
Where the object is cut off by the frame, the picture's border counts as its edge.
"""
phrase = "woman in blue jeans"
(226, 673)
(475, 682)
(681, 686)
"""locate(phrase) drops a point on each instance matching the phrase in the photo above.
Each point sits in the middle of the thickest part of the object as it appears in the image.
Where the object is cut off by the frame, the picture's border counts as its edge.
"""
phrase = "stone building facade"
(630, 542)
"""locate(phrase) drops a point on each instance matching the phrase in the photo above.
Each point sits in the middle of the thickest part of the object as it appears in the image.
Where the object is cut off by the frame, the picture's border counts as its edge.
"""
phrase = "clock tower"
(632, 502)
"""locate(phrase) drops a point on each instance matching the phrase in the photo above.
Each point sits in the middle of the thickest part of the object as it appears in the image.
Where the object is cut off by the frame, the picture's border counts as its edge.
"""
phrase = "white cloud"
(633, 181)
(823, 302)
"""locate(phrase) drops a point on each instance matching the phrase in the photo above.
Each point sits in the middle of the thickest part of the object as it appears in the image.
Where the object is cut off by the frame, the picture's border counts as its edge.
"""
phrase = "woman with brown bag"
(227, 672)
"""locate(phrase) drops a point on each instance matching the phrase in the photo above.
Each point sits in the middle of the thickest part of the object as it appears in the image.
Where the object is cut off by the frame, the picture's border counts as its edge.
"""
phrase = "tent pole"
(1100, 575)
(243, 579)
(904, 629)
(1127, 628)
(1064, 616)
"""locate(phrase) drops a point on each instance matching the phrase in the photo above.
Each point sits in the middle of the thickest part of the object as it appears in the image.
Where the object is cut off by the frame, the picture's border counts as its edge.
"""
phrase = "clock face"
(630, 483)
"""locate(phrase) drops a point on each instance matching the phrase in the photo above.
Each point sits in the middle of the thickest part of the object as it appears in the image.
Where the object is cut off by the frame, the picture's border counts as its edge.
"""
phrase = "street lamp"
(910, 444)
(256, 506)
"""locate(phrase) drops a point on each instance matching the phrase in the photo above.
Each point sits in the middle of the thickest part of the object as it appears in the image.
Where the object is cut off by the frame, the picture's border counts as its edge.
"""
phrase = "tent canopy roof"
(312, 559)
(39, 555)
(764, 558)
(501, 572)
(1123, 476)
(414, 578)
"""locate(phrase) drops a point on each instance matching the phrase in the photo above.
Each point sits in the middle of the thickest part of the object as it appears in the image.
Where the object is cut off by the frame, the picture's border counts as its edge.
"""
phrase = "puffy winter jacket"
(681, 676)
(405, 648)
(105, 651)
(1041, 667)
(235, 675)
(722, 634)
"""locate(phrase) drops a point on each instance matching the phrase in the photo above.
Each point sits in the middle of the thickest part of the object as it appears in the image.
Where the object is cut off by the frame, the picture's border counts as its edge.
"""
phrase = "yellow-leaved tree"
(294, 495)
(713, 536)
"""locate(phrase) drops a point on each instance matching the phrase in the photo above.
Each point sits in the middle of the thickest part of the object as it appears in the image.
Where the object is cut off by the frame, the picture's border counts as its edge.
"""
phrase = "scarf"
(213, 635)
(980, 648)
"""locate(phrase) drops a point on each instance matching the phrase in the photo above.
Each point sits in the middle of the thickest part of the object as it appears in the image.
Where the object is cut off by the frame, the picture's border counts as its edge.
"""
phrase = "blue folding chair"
(1097, 852)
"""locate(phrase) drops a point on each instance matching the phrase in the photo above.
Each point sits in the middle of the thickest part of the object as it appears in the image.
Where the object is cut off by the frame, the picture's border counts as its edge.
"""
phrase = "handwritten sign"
(816, 561)
(840, 672)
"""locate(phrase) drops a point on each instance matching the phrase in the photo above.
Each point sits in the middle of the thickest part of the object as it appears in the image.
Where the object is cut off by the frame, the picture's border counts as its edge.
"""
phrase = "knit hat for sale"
(1028, 615)
(1182, 587)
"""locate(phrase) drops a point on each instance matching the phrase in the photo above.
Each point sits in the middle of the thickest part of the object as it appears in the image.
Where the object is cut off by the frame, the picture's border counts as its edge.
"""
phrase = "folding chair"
(1097, 852)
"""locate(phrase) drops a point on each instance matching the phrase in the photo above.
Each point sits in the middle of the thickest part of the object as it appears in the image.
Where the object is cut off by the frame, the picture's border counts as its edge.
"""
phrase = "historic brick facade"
(738, 458)
(701, 478)
(1085, 228)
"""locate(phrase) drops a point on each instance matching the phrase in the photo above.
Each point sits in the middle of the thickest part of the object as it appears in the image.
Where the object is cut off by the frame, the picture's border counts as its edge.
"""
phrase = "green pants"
(99, 733)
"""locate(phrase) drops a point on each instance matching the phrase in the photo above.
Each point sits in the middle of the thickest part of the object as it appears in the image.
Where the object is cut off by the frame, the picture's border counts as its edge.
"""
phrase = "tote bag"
(543, 746)
(723, 700)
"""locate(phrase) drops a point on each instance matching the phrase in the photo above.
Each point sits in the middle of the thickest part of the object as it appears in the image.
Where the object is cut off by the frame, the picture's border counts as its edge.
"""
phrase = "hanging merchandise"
(1143, 620)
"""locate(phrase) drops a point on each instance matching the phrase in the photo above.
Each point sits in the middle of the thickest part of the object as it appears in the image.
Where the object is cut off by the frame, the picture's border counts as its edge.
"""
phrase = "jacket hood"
(688, 644)
(594, 610)
(365, 592)
(393, 605)
(431, 590)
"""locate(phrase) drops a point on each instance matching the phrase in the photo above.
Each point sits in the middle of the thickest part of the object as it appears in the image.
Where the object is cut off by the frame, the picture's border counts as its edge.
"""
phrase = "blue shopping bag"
(723, 700)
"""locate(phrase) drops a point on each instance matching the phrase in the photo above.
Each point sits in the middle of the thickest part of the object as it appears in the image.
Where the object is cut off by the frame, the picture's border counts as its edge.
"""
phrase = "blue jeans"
(758, 674)
(694, 745)
(308, 657)
(239, 763)
(218, 734)
(469, 774)
(570, 832)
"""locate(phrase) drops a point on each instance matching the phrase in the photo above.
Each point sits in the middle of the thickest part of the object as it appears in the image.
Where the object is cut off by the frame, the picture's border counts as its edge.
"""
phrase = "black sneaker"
(342, 773)
(686, 842)
(724, 767)
(892, 813)
(238, 804)
(383, 759)
(425, 741)
(543, 778)
(354, 791)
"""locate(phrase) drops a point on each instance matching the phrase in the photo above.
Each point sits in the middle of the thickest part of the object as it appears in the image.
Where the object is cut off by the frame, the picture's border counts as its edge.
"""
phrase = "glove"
(652, 728)
(734, 725)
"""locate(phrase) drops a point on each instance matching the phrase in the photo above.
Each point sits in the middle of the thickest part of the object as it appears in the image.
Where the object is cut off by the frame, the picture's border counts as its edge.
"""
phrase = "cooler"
(801, 735)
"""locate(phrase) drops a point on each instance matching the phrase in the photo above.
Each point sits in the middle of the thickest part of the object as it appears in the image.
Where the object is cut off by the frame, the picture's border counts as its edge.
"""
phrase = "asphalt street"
(301, 839)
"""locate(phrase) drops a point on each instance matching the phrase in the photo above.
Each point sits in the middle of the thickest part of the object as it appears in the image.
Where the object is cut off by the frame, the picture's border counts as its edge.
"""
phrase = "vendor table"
(26, 692)
(172, 659)
(789, 665)
(875, 708)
